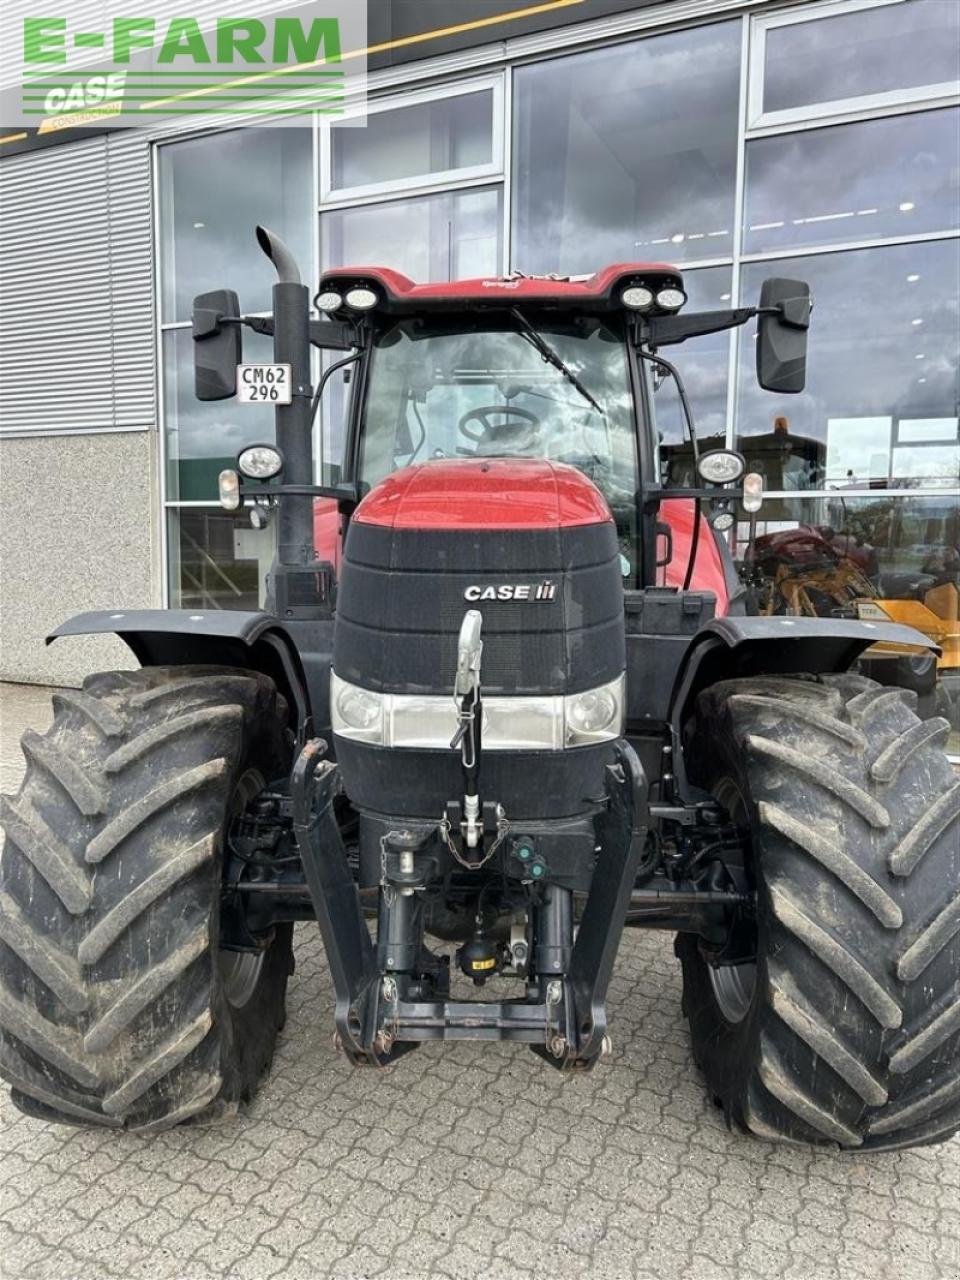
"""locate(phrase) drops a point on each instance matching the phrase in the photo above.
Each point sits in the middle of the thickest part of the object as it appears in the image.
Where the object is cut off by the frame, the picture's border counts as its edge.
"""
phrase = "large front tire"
(117, 1006)
(847, 1029)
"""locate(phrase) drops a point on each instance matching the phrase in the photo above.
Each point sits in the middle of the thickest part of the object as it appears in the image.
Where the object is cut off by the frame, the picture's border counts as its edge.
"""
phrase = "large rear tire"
(846, 1031)
(117, 1006)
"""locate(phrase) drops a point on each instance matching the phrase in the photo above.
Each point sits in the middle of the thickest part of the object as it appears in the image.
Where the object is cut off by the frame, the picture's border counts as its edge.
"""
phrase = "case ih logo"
(545, 590)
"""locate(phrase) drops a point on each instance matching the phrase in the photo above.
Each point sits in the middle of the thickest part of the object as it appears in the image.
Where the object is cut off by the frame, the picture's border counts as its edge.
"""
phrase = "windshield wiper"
(548, 354)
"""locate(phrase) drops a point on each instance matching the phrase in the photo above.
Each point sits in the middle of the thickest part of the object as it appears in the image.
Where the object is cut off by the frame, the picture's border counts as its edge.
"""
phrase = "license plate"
(264, 384)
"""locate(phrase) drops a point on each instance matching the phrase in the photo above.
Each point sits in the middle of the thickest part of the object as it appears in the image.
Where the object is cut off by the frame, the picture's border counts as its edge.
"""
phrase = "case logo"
(545, 590)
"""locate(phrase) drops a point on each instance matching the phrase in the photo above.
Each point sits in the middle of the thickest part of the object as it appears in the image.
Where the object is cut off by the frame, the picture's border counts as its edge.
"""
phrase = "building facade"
(738, 140)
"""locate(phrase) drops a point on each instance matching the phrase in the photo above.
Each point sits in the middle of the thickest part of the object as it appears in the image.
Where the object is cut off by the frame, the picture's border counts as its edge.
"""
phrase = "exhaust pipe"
(291, 345)
(287, 270)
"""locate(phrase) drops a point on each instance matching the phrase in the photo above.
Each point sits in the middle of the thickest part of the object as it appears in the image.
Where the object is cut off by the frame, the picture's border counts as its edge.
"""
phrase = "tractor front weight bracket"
(381, 1014)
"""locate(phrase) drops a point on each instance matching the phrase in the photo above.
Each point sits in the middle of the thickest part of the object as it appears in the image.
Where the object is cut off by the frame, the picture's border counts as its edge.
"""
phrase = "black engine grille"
(402, 599)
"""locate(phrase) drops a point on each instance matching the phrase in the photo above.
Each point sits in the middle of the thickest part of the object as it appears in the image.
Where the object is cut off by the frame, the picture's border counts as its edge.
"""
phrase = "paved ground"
(460, 1163)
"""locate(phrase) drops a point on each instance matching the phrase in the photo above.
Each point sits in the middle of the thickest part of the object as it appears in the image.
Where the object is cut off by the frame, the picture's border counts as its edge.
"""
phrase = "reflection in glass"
(214, 191)
(418, 140)
(892, 177)
(449, 236)
(452, 235)
(871, 50)
(883, 352)
(203, 437)
(217, 561)
(627, 153)
(882, 559)
(703, 364)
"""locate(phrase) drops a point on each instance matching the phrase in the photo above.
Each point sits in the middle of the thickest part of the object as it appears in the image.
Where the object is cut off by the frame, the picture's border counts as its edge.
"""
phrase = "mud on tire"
(850, 1034)
(116, 1006)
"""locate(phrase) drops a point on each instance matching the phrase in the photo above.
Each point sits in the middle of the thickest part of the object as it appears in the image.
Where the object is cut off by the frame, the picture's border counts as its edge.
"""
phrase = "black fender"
(744, 646)
(219, 637)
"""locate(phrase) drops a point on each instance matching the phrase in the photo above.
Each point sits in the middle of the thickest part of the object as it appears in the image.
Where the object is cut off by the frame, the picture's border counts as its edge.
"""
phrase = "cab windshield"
(475, 391)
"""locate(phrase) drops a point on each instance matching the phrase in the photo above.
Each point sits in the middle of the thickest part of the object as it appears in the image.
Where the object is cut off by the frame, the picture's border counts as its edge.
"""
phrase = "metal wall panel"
(76, 296)
(131, 279)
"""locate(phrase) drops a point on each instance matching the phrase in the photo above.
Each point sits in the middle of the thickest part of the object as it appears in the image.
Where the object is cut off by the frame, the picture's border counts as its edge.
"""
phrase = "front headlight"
(596, 715)
(260, 462)
(637, 297)
(356, 713)
(510, 723)
(360, 298)
(721, 466)
(671, 299)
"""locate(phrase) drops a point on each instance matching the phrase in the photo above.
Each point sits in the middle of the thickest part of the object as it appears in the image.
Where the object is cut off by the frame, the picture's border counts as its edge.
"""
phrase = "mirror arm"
(662, 331)
(326, 334)
(332, 335)
(347, 496)
(793, 316)
(207, 324)
(259, 324)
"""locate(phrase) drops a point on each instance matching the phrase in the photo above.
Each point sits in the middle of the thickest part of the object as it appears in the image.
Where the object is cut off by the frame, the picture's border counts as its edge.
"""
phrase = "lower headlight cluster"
(357, 713)
(429, 721)
(592, 715)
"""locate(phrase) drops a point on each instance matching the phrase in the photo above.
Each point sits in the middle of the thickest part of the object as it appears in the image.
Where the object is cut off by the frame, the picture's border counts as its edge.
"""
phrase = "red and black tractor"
(504, 701)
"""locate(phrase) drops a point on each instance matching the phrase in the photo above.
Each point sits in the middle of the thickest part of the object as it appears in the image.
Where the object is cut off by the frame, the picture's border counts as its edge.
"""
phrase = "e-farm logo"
(238, 67)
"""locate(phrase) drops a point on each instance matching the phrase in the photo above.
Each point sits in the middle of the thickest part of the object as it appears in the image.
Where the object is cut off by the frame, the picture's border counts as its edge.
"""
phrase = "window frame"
(332, 197)
(838, 109)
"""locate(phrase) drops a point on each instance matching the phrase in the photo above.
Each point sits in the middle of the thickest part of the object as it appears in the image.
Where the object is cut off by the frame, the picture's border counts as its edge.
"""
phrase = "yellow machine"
(805, 573)
(937, 616)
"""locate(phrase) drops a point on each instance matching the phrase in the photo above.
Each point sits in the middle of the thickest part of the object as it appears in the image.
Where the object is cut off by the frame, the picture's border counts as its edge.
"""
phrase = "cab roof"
(598, 292)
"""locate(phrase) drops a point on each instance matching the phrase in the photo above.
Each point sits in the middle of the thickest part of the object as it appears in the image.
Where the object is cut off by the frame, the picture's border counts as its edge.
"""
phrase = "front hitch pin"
(466, 693)
(469, 651)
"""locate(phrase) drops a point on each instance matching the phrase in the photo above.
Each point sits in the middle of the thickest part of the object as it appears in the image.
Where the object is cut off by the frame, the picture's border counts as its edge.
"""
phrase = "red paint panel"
(326, 531)
(708, 571)
(495, 493)
(406, 293)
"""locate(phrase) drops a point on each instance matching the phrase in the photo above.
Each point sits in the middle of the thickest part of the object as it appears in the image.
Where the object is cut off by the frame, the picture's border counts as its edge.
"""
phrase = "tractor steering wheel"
(490, 434)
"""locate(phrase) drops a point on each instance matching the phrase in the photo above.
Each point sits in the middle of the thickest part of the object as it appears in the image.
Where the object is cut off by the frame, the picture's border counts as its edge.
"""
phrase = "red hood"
(492, 493)
(709, 574)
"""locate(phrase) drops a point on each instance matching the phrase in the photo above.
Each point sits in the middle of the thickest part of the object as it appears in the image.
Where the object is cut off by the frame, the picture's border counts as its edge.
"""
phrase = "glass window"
(449, 236)
(452, 390)
(420, 141)
(884, 558)
(203, 437)
(217, 561)
(704, 366)
(892, 177)
(628, 153)
(877, 50)
(213, 192)
(880, 404)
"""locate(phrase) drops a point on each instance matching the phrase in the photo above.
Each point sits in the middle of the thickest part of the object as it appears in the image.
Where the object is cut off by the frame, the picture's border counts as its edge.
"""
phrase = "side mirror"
(782, 335)
(217, 346)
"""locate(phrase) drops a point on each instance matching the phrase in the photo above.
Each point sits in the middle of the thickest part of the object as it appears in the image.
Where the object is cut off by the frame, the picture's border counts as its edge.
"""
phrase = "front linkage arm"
(353, 963)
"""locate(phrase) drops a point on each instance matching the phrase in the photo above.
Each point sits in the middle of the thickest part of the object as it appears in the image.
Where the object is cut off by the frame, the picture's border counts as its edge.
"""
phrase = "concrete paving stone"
(465, 1163)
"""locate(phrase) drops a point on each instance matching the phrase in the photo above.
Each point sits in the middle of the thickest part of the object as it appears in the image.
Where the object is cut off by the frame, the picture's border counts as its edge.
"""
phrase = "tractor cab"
(560, 369)
(533, 367)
